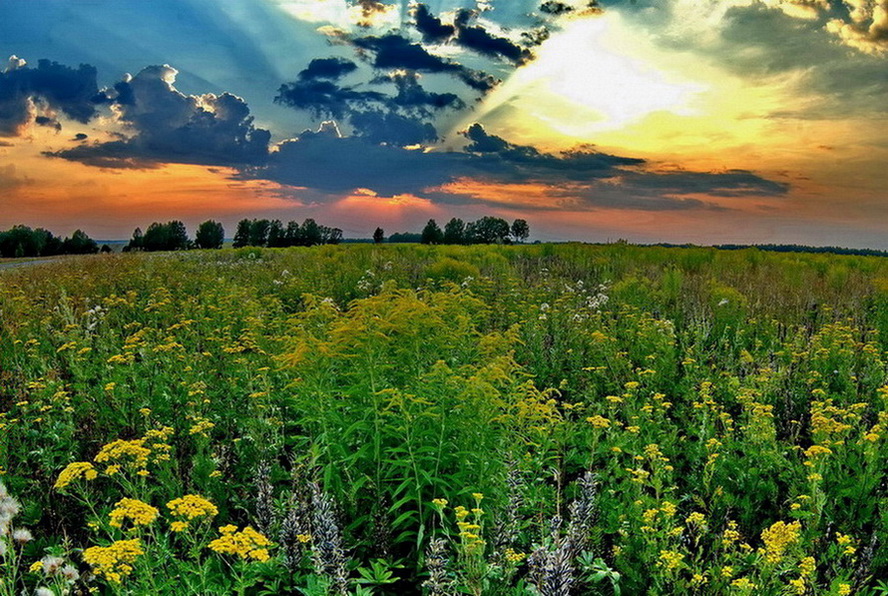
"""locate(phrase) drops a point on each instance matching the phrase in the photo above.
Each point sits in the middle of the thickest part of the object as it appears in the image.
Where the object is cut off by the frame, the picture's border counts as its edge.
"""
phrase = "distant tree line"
(22, 241)
(273, 233)
(173, 235)
(487, 230)
(860, 252)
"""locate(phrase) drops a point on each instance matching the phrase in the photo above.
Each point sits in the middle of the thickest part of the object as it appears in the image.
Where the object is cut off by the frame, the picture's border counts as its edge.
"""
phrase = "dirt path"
(14, 264)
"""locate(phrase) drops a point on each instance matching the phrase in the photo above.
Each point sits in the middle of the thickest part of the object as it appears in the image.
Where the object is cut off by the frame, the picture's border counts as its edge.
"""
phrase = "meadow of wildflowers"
(501, 420)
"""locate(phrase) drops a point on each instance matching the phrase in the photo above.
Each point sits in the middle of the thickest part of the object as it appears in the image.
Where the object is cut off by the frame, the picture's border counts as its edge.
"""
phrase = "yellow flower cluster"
(598, 421)
(114, 562)
(246, 544)
(514, 557)
(807, 566)
(778, 538)
(120, 449)
(744, 583)
(670, 559)
(201, 426)
(75, 471)
(695, 519)
(190, 507)
(140, 513)
(731, 535)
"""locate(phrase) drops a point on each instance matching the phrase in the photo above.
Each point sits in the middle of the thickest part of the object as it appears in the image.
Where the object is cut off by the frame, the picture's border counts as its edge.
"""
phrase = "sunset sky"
(704, 121)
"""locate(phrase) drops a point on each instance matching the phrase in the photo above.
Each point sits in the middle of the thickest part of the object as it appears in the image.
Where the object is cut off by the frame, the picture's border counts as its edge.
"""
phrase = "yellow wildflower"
(246, 544)
(670, 559)
(114, 562)
(139, 512)
(192, 506)
(514, 557)
(75, 471)
(598, 421)
(807, 566)
(778, 538)
(119, 449)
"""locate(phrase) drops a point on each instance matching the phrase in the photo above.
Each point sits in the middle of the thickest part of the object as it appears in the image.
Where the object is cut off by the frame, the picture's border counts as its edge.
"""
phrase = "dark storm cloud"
(52, 87)
(387, 127)
(412, 96)
(400, 118)
(433, 29)
(480, 40)
(172, 127)
(516, 163)
(393, 51)
(325, 98)
(328, 68)
(333, 165)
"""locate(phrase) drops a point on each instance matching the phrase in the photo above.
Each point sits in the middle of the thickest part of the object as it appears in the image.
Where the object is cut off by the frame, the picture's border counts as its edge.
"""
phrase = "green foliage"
(456, 419)
(210, 234)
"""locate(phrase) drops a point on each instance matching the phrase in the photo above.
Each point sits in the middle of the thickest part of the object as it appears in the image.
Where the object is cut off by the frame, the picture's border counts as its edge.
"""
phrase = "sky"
(683, 121)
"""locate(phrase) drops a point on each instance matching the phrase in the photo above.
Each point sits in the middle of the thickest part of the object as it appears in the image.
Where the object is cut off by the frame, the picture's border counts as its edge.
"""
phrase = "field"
(504, 420)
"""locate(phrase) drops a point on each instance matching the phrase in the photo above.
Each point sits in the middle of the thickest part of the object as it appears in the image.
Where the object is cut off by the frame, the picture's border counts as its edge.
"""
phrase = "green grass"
(633, 420)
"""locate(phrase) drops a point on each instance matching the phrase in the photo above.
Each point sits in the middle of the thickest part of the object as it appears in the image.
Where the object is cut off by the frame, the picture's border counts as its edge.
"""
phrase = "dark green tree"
(488, 230)
(210, 234)
(311, 233)
(157, 237)
(137, 242)
(259, 232)
(242, 234)
(378, 236)
(455, 231)
(520, 230)
(293, 234)
(277, 237)
(432, 234)
(178, 235)
(79, 244)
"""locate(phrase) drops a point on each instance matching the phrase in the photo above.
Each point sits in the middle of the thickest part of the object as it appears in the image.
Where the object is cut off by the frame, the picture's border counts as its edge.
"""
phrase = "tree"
(178, 235)
(400, 237)
(379, 236)
(488, 230)
(137, 242)
(520, 230)
(311, 232)
(455, 231)
(210, 234)
(293, 234)
(242, 235)
(432, 234)
(259, 232)
(335, 236)
(157, 237)
(79, 244)
(277, 237)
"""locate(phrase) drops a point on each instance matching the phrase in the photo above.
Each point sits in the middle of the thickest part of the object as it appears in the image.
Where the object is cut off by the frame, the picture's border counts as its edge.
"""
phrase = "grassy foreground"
(455, 420)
